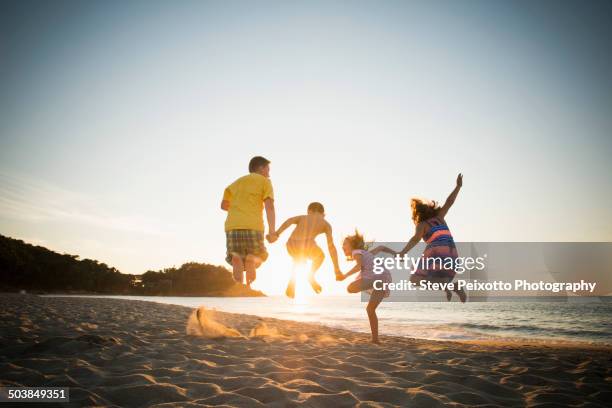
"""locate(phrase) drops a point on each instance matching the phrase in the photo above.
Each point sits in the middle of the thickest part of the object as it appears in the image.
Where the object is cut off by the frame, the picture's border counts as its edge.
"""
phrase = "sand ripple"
(130, 353)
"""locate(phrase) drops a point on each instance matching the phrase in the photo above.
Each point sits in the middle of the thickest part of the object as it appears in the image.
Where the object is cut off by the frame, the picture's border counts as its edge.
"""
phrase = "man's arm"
(225, 205)
(270, 214)
(333, 253)
(451, 198)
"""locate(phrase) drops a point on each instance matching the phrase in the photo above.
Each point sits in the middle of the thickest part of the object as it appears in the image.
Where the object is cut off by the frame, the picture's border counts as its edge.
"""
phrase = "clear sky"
(122, 122)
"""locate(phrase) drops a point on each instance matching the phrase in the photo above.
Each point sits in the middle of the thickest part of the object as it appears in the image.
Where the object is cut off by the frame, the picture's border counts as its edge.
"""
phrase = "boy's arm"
(333, 253)
(225, 202)
(418, 235)
(267, 195)
(270, 214)
(451, 198)
(355, 268)
(286, 224)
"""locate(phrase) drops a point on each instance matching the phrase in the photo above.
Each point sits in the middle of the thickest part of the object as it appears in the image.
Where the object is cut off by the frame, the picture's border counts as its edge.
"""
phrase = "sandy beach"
(113, 352)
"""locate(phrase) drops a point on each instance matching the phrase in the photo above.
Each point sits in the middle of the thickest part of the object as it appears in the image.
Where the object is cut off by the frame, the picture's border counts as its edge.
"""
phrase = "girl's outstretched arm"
(418, 235)
(451, 198)
(355, 268)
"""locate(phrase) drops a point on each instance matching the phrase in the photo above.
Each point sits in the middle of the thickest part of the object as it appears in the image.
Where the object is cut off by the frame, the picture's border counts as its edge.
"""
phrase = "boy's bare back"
(309, 226)
(302, 245)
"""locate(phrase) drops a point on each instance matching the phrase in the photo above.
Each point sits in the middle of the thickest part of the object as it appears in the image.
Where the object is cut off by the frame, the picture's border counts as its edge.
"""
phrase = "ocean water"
(578, 321)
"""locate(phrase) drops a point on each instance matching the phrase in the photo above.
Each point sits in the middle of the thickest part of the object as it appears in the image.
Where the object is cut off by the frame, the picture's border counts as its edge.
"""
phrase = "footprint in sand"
(201, 323)
(263, 330)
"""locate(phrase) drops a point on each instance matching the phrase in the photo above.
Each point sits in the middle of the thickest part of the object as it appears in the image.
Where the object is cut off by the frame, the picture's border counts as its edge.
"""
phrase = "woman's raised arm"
(451, 198)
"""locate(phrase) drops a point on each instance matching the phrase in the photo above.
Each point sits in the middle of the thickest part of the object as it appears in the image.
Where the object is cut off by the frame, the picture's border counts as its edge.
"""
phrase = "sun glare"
(303, 290)
(274, 274)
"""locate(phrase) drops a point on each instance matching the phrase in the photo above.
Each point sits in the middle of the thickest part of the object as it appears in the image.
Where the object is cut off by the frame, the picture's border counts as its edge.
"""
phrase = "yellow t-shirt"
(246, 197)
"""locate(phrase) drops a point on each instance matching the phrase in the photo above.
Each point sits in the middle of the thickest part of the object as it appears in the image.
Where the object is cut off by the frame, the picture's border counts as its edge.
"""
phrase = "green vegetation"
(34, 268)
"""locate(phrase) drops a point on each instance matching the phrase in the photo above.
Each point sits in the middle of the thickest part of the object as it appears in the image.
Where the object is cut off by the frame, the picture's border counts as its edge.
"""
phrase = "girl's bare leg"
(375, 298)
(449, 294)
(461, 294)
(354, 287)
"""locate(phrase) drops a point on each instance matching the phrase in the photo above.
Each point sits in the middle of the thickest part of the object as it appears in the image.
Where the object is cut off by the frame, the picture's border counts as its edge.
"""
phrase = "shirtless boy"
(302, 246)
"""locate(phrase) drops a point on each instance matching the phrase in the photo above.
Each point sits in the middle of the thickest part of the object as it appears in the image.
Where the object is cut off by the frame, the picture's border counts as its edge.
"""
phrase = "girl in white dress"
(354, 247)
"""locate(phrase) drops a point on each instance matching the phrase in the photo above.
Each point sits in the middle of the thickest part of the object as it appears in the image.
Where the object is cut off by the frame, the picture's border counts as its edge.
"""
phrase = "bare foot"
(290, 291)
(375, 341)
(315, 286)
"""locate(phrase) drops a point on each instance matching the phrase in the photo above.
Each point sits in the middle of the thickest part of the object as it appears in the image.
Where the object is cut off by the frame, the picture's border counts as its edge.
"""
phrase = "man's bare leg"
(237, 268)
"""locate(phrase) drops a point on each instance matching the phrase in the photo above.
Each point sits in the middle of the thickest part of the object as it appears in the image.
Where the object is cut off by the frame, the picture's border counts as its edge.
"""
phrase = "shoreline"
(138, 353)
(492, 339)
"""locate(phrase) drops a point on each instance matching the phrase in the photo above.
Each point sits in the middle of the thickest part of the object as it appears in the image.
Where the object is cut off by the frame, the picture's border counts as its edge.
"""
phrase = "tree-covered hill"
(34, 268)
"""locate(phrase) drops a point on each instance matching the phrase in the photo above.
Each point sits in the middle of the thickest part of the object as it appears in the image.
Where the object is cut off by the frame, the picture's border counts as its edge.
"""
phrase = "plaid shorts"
(245, 242)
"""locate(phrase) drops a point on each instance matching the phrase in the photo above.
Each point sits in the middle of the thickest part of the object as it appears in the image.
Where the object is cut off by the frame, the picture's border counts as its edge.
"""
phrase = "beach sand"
(133, 353)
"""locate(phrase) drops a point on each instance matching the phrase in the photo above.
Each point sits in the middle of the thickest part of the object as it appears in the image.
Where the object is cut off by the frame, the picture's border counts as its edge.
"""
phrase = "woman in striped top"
(440, 251)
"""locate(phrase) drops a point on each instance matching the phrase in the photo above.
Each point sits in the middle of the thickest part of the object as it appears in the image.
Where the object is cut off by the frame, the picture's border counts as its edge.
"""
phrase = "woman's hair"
(423, 210)
(356, 241)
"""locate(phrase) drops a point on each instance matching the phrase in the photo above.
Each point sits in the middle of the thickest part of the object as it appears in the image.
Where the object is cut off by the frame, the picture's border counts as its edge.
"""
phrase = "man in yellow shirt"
(244, 201)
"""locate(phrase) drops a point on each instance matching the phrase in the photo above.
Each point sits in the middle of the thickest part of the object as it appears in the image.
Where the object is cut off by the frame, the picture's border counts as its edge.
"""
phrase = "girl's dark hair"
(356, 241)
(423, 210)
